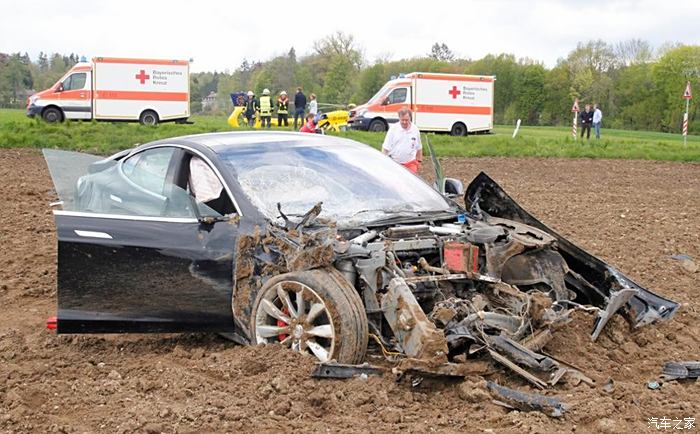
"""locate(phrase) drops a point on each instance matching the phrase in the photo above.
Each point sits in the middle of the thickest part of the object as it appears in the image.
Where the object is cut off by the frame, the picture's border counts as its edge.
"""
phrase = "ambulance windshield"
(379, 95)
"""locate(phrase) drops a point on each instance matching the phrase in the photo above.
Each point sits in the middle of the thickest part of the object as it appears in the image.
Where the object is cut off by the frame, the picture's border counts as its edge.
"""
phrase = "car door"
(76, 95)
(135, 256)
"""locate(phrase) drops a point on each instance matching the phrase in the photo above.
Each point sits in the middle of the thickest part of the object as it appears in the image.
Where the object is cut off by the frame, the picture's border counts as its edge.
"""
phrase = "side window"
(75, 81)
(398, 96)
(149, 168)
(206, 188)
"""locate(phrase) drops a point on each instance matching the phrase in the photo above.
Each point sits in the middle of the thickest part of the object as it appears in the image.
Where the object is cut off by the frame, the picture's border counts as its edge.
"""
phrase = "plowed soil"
(633, 214)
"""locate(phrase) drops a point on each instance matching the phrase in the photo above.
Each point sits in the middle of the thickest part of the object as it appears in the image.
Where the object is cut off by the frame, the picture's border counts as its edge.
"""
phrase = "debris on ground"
(338, 370)
(686, 262)
(681, 370)
(524, 401)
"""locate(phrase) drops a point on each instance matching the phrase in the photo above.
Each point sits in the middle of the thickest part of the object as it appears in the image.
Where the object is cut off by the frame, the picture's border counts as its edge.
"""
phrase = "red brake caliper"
(281, 323)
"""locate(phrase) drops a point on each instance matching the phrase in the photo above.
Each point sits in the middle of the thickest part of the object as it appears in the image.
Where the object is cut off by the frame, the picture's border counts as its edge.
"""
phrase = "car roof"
(224, 141)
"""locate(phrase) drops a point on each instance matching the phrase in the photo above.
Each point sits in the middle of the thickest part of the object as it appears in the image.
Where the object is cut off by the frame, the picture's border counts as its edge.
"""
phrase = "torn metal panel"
(616, 301)
(523, 401)
(338, 370)
(681, 370)
(416, 334)
(522, 355)
(645, 307)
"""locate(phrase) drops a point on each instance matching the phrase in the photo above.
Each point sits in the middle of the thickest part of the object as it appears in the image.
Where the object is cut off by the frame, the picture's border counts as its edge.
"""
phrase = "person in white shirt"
(402, 142)
(313, 105)
(597, 118)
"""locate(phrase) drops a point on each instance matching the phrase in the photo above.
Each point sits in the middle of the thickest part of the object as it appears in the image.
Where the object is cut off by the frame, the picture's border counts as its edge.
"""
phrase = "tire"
(148, 117)
(377, 126)
(458, 129)
(52, 115)
(338, 330)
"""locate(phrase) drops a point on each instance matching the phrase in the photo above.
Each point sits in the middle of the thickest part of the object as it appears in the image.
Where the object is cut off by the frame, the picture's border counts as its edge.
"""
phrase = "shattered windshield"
(355, 183)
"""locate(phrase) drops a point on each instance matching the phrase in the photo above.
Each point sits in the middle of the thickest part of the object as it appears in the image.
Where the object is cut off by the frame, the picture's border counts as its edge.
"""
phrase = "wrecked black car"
(321, 243)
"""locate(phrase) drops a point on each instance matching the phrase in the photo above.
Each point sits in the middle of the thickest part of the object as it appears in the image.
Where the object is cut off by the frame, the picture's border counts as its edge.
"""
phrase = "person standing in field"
(586, 120)
(597, 120)
(283, 109)
(250, 108)
(402, 142)
(313, 105)
(299, 107)
(265, 108)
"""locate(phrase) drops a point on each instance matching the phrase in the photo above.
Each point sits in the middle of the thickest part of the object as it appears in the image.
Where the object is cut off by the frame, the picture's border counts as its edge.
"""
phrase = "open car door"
(133, 254)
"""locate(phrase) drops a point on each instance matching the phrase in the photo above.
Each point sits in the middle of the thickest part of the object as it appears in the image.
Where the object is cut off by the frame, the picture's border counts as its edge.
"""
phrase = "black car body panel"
(148, 276)
(642, 308)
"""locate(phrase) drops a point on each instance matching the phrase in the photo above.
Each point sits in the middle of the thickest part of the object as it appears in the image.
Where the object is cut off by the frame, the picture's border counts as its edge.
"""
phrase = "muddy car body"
(319, 243)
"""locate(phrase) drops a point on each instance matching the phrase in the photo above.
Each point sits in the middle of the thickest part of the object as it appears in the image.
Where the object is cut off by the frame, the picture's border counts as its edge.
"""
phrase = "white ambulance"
(454, 103)
(114, 89)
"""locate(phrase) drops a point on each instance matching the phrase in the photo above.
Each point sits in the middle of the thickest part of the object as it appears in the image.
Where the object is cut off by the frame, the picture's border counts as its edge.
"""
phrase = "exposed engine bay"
(444, 292)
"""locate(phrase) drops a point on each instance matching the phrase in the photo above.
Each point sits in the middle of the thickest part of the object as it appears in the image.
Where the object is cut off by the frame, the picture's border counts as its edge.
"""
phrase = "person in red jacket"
(310, 125)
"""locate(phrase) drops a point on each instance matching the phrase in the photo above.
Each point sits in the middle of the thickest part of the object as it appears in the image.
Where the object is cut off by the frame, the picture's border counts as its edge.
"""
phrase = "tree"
(633, 51)
(338, 86)
(670, 74)
(15, 79)
(441, 52)
(529, 101)
(371, 80)
(339, 44)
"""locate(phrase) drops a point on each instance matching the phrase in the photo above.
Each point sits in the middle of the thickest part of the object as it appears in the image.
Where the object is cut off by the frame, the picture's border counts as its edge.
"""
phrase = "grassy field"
(16, 130)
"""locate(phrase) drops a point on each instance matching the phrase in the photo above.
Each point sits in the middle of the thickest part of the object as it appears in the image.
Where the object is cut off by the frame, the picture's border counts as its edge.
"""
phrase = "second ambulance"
(454, 103)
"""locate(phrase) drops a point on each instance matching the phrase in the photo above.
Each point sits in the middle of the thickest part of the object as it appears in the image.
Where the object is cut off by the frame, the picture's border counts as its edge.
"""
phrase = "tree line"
(636, 85)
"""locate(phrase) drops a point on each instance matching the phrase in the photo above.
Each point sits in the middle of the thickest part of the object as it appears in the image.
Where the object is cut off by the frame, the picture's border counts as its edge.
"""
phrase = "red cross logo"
(454, 92)
(142, 76)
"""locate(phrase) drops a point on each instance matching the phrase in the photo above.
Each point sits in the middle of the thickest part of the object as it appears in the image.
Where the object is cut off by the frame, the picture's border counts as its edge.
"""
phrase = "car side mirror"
(59, 88)
(385, 101)
(453, 187)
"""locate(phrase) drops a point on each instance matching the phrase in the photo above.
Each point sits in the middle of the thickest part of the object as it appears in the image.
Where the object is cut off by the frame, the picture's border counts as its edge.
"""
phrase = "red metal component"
(52, 323)
(461, 257)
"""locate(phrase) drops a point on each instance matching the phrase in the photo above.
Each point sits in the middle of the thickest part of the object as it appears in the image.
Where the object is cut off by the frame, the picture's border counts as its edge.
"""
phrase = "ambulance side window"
(398, 96)
(75, 81)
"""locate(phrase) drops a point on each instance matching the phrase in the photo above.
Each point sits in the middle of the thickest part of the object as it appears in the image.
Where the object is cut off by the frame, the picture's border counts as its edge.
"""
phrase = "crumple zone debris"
(681, 370)
(527, 401)
(263, 252)
(443, 297)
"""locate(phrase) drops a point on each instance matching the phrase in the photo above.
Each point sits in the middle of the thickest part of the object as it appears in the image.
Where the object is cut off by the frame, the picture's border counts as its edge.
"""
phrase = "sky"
(219, 35)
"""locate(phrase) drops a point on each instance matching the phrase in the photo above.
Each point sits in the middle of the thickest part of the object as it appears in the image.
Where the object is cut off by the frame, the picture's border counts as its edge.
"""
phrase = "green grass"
(16, 130)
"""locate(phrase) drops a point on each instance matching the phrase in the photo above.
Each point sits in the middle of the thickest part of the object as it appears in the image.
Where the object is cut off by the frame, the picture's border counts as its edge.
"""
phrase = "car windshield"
(355, 182)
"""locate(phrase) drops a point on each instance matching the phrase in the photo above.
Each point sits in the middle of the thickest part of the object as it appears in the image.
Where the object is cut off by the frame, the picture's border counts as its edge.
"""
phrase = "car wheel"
(148, 117)
(52, 115)
(377, 126)
(458, 129)
(315, 312)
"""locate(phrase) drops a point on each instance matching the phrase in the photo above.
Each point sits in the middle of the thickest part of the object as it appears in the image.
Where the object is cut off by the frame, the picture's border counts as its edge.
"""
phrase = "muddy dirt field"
(633, 214)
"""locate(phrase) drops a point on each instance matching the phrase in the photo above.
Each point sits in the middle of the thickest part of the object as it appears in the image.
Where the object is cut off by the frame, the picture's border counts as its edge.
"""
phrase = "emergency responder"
(250, 108)
(402, 142)
(265, 109)
(283, 109)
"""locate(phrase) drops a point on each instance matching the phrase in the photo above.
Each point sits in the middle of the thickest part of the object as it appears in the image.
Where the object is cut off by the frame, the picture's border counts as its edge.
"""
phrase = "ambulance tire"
(377, 126)
(52, 115)
(458, 129)
(148, 117)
